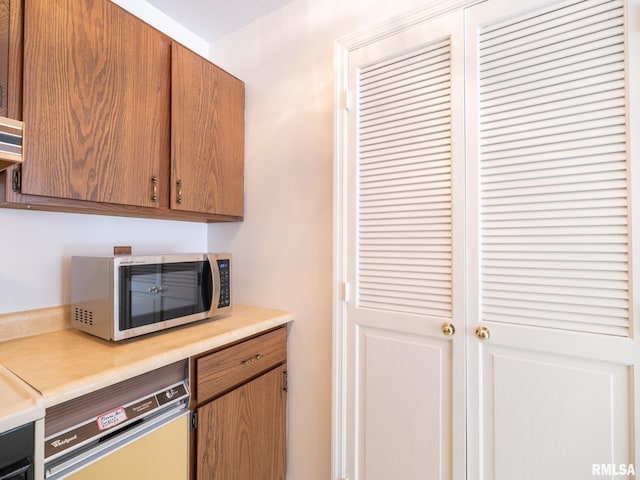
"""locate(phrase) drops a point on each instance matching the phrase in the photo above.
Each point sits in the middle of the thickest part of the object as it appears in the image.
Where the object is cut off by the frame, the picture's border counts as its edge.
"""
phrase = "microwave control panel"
(225, 283)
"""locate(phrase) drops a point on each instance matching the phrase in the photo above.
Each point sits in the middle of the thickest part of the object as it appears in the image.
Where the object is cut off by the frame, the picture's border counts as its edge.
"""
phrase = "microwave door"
(154, 293)
(180, 289)
(142, 301)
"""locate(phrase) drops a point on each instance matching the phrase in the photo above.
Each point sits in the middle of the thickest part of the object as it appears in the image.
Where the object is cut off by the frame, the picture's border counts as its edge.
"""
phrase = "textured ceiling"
(213, 19)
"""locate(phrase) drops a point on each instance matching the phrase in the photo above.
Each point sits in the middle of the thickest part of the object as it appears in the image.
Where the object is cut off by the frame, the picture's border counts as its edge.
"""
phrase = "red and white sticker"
(111, 419)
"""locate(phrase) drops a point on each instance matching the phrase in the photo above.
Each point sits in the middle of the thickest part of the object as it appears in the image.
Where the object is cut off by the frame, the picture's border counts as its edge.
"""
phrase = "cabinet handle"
(249, 361)
(154, 183)
(179, 185)
(16, 179)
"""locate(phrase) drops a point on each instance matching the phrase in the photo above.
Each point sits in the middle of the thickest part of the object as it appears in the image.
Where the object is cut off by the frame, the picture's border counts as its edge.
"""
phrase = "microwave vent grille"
(83, 316)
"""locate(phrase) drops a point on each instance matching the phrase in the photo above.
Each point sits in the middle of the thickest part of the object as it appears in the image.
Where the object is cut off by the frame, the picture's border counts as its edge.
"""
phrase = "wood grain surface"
(241, 435)
(222, 370)
(96, 101)
(207, 136)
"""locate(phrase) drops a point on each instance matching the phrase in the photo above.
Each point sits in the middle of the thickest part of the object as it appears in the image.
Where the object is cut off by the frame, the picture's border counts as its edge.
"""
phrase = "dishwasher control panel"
(107, 422)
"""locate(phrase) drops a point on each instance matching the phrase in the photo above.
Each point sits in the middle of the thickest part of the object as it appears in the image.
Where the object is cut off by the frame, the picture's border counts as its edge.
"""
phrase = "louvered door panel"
(404, 178)
(553, 169)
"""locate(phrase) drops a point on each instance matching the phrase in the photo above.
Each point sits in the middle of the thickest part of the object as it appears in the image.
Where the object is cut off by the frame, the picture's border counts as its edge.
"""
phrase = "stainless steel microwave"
(125, 296)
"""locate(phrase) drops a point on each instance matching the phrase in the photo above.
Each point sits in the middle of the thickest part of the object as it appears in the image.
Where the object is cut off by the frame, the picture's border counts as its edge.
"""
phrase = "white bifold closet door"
(405, 377)
(490, 190)
(553, 368)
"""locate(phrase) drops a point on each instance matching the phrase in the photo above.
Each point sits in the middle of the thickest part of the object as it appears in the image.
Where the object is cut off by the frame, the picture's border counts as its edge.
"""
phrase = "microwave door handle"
(215, 283)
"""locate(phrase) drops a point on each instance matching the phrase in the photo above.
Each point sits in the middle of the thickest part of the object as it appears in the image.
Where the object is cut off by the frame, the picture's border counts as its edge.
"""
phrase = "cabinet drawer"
(224, 369)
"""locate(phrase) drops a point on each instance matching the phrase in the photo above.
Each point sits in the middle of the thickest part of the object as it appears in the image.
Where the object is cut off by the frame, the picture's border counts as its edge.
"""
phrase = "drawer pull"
(249, 361)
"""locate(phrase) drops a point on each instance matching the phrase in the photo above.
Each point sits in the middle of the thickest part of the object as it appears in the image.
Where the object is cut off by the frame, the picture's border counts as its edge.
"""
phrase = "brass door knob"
(483, 333)
(448, 329)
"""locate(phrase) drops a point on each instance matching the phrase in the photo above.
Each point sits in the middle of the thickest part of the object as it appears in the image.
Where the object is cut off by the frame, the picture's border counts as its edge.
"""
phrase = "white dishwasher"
(138, 428)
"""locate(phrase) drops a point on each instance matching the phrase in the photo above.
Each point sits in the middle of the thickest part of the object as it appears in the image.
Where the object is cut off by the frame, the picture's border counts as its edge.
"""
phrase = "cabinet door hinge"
(346, 292)
(16, 179)
(346, 100)
(285, 385)
(194, 420)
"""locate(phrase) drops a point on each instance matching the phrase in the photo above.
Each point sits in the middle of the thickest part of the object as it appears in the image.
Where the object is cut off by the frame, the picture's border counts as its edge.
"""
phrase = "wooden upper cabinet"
(119, 119)
(96, 99)
(207, 136)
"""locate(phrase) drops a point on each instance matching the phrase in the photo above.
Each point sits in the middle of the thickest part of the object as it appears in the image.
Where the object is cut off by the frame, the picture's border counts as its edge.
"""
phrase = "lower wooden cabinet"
(241, 435)
(241, 430)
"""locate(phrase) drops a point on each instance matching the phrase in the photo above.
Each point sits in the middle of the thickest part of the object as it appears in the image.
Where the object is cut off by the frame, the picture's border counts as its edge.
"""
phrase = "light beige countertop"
(19, 403)
(67, 363)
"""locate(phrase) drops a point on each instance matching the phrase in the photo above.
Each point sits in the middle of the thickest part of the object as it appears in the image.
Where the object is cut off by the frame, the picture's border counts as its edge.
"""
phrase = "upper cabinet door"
(96, 99)
(207, 136)
(4, 55)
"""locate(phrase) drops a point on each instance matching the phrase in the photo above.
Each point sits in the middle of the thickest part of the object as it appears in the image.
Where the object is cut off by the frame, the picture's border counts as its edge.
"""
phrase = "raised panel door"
(544, 412)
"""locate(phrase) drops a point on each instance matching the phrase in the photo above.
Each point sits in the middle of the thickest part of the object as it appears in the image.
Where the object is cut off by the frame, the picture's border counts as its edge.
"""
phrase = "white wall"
(159, 20)
(283, 250)
(35, 247)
